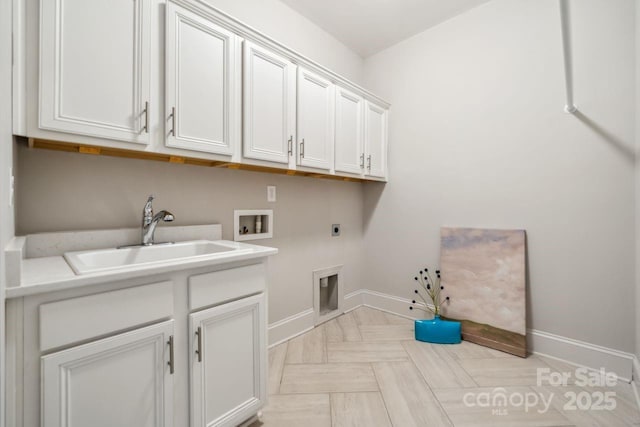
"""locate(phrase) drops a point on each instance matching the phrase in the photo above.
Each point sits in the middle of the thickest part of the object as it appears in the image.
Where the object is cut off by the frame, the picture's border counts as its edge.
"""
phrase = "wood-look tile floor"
(364, 368)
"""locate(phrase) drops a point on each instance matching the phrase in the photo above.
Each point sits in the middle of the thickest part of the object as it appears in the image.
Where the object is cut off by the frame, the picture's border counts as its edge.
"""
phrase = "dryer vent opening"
(328, 294)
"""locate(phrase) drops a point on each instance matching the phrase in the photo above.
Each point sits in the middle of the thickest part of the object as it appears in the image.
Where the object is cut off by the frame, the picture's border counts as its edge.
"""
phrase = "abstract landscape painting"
(483, 272)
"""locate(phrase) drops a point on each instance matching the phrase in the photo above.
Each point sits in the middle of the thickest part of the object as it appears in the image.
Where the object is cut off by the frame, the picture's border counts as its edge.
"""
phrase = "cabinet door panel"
(349, 132)
(119, 381)
(315, 120)
(269, 105)
(376, 140)
(203, 83)
(228, 382)
(94, 68)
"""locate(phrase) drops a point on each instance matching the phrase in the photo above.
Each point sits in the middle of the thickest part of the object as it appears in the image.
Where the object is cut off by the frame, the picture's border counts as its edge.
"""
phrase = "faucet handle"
(147, 211)
(150, 199)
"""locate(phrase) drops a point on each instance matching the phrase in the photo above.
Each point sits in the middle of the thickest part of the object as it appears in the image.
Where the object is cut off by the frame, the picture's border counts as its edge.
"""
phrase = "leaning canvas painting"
(484, 272)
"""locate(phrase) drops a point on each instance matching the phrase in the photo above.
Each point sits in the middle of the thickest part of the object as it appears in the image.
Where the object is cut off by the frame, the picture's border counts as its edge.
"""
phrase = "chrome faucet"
(150, 221)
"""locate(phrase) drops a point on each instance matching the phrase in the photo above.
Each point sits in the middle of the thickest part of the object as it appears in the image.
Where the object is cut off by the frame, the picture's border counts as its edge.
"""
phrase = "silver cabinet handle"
(171, 358)
(173, 121)
(369, 162)
(145, 128)
(290, 145)
(199, 350)
(362, 161)
(302, 149)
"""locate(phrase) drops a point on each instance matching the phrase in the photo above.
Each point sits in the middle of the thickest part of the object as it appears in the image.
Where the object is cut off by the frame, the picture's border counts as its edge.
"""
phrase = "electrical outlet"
(271, 193)
(335, 230)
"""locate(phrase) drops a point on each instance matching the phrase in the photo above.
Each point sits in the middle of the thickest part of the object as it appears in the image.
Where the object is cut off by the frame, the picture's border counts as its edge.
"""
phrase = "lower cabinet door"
(122, 381)
(228, 362)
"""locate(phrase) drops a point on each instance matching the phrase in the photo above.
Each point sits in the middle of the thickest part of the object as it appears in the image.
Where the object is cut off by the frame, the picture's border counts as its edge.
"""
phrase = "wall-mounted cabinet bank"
(180, 78)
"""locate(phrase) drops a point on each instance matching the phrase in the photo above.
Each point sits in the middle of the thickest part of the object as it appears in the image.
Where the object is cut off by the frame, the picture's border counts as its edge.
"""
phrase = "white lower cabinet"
(228, 362)
(138, 356)
(123, 381)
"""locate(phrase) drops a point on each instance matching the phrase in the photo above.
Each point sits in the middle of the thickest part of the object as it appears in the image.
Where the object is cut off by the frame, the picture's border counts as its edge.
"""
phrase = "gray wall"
(68, 191)
(479, 139)
(6, 160)
(637, 216)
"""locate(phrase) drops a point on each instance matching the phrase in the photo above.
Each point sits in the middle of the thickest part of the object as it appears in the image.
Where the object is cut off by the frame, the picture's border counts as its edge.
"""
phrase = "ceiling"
(369, 26)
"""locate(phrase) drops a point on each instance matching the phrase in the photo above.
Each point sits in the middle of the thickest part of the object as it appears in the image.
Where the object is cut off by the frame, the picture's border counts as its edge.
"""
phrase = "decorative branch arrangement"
(432, 288)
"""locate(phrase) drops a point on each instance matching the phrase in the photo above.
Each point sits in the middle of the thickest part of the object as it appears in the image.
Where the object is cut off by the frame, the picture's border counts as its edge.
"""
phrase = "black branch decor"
(432, 288)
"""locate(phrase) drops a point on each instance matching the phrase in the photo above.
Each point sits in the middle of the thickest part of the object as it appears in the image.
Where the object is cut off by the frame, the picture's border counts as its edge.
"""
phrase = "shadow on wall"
(373, 193)
(527, 290)
(623, 148)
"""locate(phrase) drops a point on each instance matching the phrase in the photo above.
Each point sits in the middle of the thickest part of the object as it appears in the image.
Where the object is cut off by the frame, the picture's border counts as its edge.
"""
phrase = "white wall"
(479, 139)
(287, 26)
(6, 160)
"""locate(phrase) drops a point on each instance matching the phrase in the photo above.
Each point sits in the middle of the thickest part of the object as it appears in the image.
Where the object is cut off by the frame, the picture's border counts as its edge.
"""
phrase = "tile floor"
(365, 369)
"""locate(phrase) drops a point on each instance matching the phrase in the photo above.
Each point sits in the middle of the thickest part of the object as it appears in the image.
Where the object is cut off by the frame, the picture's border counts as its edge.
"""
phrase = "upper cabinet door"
(203, 75)
(349, 132)
(269, 105)
(315, 120)
(94, 68)
(375, 135)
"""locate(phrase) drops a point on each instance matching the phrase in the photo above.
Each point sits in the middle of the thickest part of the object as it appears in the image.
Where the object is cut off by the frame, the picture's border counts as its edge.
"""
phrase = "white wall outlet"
(271, 193)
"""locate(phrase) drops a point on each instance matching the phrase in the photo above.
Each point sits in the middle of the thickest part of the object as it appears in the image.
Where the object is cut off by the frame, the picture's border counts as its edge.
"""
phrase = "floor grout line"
(435, 397)
(333, 423)
(467, 372)
(384, 402)
(284, 362)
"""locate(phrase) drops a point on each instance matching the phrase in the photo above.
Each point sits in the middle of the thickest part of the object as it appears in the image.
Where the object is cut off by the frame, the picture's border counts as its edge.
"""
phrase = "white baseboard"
(581, 353)
(299, 323)
(636, 379)
(285, 329)
(392, 304)
(576, 352)
(353, 300)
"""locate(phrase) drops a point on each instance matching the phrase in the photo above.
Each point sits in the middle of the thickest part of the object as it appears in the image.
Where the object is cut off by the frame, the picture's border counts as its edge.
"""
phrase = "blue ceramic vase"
(438, 331)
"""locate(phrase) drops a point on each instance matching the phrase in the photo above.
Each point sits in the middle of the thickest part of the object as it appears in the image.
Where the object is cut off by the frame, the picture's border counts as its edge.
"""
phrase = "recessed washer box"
(245, 224)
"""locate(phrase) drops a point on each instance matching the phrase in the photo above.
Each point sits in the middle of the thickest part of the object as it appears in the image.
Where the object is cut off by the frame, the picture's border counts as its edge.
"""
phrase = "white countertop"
(52, 273)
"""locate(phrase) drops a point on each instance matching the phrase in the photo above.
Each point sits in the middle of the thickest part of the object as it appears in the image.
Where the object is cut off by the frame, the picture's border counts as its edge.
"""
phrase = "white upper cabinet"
(315, 120)
(124, 381)
(349, 144)
(94, 68)
(227, 93)
(375, 135)
(203, 83)
(269, 85)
